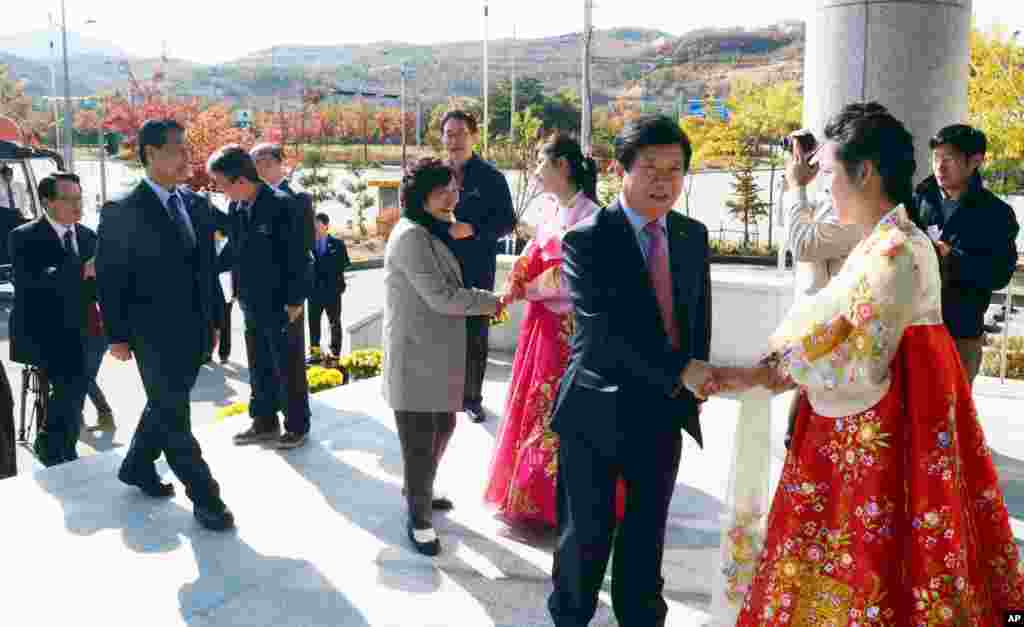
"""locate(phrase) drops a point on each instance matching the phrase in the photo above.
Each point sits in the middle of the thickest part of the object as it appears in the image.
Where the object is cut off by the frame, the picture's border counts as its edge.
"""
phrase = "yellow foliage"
(995, 93)
(234, 409)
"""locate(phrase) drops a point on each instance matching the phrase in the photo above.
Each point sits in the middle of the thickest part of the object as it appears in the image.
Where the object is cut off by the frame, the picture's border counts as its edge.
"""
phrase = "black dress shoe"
(429, 547)
(214, 520)
(154, 489)
(442, 503)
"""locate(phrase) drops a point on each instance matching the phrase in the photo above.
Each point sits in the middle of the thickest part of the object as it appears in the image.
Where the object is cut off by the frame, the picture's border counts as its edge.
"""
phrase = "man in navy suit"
(159, 293)
(272, 261)
(269, 160)
(54, 285)
(639, 279)
(330, 260)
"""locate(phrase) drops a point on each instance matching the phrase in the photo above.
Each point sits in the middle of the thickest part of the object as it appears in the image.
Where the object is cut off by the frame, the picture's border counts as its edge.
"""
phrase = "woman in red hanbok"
(888, 511)
(525, 462)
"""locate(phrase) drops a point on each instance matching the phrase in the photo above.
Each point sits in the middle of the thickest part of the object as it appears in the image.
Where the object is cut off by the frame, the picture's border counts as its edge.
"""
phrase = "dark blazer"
(486, 203)
(270, 255)
(48, 321)
(623, 370)
(305, 203)
(10, 219)
(982, 233)
(329, 275)
(153, 290)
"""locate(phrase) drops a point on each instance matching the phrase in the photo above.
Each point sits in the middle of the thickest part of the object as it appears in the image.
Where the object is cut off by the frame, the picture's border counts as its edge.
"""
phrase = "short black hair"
(48, 185)
(968, 140)
(650, 130)
(6, 171)
(866, 131)
(268, 149)
(233, 162)
(459, 114)
(423, 177)
(323, 219)
(155, 132)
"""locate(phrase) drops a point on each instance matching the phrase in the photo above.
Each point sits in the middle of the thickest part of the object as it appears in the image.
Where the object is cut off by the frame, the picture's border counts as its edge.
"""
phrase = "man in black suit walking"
(158, 293)
(54, 284)
(272, 262)
(639, 279)
(330, 260)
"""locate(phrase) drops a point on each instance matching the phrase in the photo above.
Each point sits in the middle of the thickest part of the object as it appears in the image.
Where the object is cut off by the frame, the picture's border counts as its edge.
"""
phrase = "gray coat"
(425, 309)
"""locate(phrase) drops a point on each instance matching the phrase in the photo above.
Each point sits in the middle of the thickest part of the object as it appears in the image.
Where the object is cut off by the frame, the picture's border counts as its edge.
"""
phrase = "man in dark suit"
(974, 234)
(158, 293)
(484, 214)
(11, 209)
(54, 285)
(639, 279)
(330, 260)
(269, 160)
(272, 261)
(224, 266)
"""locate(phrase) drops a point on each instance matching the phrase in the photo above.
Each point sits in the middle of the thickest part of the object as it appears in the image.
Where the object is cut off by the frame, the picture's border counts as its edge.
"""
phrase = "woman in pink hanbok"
(522, 477)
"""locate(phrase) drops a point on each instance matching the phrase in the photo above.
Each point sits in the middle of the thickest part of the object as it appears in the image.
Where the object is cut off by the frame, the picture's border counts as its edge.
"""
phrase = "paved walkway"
(320, 539)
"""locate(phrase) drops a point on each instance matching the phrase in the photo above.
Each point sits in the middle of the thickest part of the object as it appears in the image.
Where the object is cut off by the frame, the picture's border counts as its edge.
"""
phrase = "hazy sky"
(211, 31)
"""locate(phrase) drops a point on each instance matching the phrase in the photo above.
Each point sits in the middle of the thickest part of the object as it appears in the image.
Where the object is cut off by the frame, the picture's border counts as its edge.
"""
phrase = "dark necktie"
(661, 277)
(178, 218)
(69, 247)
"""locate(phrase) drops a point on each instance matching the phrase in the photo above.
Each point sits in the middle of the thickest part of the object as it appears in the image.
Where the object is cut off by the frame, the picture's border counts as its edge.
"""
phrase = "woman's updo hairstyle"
(582, 170)
(866, 131)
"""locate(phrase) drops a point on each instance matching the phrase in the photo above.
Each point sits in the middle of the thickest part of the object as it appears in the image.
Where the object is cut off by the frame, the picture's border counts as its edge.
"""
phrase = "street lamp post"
(68, 136)
(402, 118)
(486, 87)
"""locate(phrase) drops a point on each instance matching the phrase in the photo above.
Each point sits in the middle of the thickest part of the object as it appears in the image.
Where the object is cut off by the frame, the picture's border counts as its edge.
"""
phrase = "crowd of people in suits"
(156, 284)
(613, 363)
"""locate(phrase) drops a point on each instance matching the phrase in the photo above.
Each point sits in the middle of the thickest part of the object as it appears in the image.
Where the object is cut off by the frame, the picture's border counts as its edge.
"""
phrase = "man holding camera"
(818, 241)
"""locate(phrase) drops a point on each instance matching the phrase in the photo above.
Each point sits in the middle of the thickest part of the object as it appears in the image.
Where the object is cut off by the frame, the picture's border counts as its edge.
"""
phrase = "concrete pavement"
(321, 539)
(217, 385)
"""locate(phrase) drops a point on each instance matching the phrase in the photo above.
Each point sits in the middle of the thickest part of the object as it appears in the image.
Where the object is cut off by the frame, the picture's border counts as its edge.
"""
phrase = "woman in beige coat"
(425, 309)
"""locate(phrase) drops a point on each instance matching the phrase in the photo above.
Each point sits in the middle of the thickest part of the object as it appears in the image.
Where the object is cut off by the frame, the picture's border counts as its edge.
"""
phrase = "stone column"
(909, 55)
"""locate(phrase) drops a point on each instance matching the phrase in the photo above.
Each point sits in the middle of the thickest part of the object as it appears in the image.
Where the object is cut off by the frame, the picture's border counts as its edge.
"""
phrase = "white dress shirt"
(61, 229)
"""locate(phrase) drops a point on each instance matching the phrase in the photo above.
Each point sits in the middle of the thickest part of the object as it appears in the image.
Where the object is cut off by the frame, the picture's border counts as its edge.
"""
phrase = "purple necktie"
(661, 277)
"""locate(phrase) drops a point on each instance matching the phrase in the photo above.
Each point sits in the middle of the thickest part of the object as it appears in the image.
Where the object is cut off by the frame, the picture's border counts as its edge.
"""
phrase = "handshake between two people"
(707, 380)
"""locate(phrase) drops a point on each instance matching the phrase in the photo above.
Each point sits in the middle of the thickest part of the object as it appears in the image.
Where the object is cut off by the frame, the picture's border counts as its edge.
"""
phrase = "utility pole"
(68, 137)
(512, 120)
(585, 122)
(53, 84)
(486, 85)
(402, 119)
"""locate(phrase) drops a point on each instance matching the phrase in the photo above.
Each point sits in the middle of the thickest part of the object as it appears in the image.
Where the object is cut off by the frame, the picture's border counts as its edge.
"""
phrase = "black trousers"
(166, 427)
(224, 345)
(63, 418)
(424, 436)
(317, 307)
(8, 457)
(273, 376)
(586, 480)
(478, 330)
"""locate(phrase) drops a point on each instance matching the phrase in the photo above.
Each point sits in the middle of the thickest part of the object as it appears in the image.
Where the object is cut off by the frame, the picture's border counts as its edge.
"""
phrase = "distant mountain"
(35, 45)
(635, 63)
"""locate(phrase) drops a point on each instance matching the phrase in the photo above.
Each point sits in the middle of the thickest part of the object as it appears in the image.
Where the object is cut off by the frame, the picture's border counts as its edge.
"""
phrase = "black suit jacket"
(329, 276)
(623, 370)
(271, 260)
(304, 201)
(48, 321)
(982, 233)
(486, 203)
(151, 288)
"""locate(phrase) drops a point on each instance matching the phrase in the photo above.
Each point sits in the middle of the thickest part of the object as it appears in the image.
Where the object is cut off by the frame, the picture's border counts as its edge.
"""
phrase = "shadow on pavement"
(235, 581)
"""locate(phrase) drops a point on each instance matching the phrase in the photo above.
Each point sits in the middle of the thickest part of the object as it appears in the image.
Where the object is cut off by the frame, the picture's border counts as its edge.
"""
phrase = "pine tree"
(747, 206)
